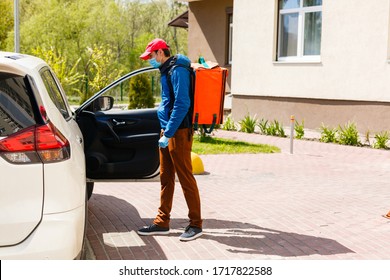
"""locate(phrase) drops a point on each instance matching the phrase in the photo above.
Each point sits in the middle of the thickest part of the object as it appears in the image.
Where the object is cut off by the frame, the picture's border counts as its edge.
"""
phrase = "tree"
(141, 95)
(98, 71)
(68, 76)
(88, 43)
(6, 22)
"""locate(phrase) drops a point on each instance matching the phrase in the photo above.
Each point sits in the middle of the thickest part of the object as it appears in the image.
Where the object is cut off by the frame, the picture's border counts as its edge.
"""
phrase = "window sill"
(298, 62)
(305, 59)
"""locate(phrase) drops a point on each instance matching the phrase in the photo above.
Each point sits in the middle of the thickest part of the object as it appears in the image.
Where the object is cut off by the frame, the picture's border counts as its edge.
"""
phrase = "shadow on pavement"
(252, 239)
(113, 223)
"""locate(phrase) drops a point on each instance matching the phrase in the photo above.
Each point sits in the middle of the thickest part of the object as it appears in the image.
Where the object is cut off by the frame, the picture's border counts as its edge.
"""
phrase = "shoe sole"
(153, 233)
(190, 238)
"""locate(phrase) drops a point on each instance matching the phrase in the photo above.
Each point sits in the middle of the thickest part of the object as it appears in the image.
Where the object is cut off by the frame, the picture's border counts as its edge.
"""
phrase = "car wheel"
(90, 189)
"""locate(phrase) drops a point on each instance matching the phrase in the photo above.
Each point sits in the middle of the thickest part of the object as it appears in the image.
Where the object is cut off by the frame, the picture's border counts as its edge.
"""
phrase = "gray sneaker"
(190, 233)
(153, 230)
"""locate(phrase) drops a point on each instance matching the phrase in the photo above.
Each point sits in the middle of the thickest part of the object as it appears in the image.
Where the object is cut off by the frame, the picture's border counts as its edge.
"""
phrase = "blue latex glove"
(163, 142)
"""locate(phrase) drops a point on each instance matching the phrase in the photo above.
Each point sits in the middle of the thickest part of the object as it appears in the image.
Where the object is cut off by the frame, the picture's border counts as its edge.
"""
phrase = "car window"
(141, 91)
(16, 109)
(54, 92)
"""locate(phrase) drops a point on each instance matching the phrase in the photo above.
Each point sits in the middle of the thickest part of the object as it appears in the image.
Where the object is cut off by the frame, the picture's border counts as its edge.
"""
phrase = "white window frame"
(300, 57)
(230, 39)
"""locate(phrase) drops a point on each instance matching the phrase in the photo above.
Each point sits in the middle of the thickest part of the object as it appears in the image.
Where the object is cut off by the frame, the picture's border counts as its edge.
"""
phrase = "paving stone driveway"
(324, 201)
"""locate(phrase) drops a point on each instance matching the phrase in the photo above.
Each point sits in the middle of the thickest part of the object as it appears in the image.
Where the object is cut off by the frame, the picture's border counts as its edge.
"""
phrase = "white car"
(50, 156)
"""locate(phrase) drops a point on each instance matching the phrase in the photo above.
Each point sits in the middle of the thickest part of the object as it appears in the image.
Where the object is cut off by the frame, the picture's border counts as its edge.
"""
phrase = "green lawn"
(209, 145)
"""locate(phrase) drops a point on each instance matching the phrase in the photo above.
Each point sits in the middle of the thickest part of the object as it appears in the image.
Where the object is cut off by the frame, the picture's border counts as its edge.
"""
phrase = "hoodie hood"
(177, 59)
(183, 60)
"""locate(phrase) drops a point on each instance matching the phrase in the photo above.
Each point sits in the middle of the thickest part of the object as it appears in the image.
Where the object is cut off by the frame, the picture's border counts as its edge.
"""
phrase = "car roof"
(20, 64)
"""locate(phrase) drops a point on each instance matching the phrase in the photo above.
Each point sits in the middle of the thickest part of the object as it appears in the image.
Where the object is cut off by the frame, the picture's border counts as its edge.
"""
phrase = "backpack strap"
(187, 122)
(188, 118)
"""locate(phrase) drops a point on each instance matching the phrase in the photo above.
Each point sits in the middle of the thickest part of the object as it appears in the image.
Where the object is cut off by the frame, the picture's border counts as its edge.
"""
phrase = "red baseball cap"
(154, 45)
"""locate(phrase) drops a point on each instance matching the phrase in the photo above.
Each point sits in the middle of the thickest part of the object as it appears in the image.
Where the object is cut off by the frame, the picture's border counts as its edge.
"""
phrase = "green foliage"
(141, 95)
(381, 140)
(328, 135)
(203, 131)
(367, 138)
(229, 123)
(91, 42)
(209, 145)
(99, 70)
(299, 129)
(349, 135)
(6, 21)
(66, 73)
(277, 129)
(273, 128)
(263, 125)
(248, 124)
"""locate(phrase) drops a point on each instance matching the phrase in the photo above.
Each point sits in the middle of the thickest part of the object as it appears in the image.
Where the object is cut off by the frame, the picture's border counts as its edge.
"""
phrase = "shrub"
(248, 124)
(328, 135)
(141, 95)
(349, 135)
(229, 123)
(274, 128)
(381, 140)
(278, 128)
(299, 129)
(271, 130)
(263, 125)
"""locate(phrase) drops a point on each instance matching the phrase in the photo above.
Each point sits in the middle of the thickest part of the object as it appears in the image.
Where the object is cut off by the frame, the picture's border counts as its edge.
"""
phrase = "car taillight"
(36, 144)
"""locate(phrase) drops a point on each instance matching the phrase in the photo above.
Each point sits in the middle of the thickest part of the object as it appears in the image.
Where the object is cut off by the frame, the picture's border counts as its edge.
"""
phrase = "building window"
(230, 35)
(300, 25)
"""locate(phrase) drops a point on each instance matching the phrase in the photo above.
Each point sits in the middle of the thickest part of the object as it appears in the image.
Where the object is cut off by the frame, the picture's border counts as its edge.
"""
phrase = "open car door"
(119, 144)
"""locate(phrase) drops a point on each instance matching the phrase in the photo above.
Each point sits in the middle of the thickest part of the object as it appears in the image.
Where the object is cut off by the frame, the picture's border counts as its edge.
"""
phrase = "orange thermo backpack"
(208, 94)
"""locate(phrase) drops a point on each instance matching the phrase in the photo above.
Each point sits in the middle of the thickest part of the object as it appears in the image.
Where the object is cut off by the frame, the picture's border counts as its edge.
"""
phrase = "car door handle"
(113, 133)
(116, 122)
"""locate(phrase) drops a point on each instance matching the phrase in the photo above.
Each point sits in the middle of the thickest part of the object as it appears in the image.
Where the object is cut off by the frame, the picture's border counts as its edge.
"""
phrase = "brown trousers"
(177, 158)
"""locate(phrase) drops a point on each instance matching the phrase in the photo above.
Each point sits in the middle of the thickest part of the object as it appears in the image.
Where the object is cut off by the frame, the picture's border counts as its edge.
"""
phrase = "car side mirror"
(103, 103)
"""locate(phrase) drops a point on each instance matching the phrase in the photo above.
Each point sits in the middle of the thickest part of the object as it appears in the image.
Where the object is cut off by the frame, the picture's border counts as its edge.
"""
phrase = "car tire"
(90, 189)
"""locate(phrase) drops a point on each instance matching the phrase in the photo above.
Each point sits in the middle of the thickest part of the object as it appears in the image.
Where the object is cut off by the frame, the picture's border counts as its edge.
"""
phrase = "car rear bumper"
(58, 236)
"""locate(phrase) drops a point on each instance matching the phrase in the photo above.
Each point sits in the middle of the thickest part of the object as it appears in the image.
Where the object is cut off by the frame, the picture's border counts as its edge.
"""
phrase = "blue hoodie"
(171, 113)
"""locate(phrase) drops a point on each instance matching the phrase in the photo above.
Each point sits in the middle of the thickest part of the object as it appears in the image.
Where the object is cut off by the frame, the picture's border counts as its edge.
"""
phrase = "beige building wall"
(351, 82)
(207, 31)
